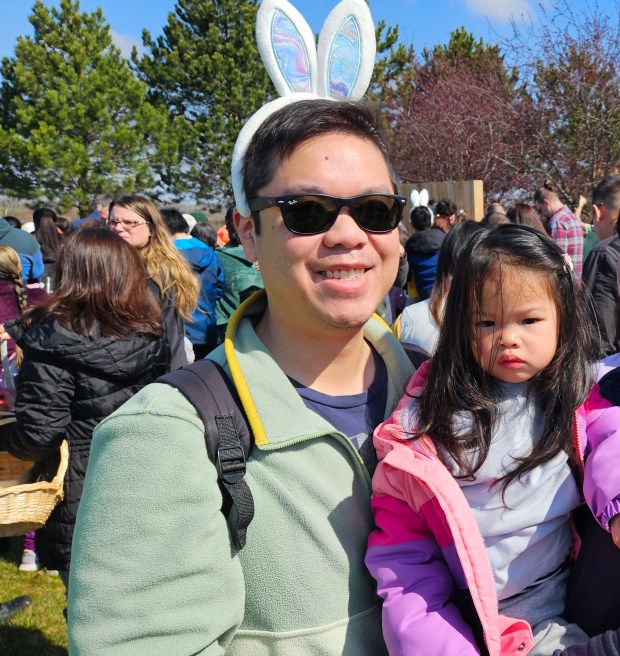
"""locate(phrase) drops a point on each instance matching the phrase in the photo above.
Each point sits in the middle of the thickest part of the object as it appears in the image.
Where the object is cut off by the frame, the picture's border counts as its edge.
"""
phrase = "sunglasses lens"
(308, 215)
(377, 213)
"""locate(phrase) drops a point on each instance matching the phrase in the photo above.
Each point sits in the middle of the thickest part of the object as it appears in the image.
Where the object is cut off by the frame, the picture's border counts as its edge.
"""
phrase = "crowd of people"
(507, 424)
(447, 484)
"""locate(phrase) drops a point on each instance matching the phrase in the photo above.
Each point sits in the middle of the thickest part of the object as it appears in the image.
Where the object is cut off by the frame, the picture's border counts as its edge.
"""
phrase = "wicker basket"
(26, 507)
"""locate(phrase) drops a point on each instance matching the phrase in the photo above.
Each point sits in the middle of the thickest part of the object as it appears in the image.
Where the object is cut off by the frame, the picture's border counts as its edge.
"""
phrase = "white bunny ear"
(287, 47)
(424, 197)
(347, 49)
(415, 198)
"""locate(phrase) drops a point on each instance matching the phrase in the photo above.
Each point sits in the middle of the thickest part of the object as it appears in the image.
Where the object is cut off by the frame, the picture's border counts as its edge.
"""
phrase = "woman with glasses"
(87, 349)
(138, 222)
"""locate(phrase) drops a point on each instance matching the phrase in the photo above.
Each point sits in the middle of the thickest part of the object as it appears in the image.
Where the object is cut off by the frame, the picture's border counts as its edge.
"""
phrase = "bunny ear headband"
(340, 69)
(420, 199)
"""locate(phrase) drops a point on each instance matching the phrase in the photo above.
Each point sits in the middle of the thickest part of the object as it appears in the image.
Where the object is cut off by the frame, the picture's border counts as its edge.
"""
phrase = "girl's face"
(516, 326)
(130, 226)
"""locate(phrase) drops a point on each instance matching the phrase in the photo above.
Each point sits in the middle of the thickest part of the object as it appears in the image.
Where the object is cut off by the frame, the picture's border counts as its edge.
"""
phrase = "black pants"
(593, 599)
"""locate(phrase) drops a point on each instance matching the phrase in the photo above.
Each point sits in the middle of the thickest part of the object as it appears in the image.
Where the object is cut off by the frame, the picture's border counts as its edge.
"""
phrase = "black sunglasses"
(311, 214)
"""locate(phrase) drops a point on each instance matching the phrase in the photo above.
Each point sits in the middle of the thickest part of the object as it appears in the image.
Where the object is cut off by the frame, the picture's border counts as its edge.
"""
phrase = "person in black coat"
(92, 345)
(422, 250)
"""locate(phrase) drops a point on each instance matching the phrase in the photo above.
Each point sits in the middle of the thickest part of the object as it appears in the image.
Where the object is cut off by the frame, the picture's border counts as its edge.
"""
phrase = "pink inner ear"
(291, 53)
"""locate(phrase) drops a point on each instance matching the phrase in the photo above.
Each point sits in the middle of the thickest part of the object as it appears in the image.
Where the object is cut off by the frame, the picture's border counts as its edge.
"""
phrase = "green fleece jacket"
(153, 569)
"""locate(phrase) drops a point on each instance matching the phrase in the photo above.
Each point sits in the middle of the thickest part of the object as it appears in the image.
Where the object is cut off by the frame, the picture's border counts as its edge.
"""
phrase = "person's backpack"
(227, 435)
(228, 438)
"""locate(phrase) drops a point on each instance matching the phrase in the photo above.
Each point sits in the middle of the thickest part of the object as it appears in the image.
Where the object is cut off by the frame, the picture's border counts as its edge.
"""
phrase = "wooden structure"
(466, 194)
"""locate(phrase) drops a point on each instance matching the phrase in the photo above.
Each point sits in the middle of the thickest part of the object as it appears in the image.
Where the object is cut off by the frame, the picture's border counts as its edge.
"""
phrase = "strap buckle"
(230, 463)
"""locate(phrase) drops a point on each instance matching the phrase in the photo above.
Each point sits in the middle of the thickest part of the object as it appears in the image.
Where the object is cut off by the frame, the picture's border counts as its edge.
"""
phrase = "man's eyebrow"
(301, 189)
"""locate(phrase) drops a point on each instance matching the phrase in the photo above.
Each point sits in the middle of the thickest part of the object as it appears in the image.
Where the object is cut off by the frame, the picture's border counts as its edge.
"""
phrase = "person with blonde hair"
(138, 222)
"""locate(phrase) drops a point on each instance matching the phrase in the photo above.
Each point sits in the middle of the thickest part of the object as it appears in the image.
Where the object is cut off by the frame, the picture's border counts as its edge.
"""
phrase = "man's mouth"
(344, 274)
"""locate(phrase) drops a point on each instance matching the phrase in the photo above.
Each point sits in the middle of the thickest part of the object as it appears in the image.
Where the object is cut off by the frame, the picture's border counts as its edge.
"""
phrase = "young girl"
(482, 461)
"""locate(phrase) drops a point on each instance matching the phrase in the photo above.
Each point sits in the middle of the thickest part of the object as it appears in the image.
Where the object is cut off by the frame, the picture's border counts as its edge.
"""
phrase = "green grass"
(39, 630)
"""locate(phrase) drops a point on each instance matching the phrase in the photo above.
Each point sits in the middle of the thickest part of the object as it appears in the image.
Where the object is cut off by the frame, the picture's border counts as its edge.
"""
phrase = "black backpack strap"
(416, 354)
(227, 436)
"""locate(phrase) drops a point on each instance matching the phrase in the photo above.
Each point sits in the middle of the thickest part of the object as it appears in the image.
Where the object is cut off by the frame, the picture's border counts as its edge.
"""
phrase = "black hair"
(420, 218)
(174, 220)
(13, 221)
(46, 232)
(204, 231)
(445, 208)
(451, 247)
(64, 225)
(282, 132)
(233, 237)
(456, 383)
(607, 192)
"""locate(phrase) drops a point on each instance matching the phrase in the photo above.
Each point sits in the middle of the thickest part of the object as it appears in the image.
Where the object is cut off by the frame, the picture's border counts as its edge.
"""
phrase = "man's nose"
(345, 231)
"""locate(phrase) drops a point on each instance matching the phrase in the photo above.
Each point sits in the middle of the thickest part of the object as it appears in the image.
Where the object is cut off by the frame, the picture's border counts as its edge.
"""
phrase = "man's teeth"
(345, 274)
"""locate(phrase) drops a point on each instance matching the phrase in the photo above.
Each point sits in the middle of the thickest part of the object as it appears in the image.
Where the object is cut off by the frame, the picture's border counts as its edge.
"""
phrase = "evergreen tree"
(206, 70)
(75, 121)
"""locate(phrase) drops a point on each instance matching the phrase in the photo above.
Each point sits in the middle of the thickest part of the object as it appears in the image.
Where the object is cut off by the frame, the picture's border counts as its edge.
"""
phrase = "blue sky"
(422, 22)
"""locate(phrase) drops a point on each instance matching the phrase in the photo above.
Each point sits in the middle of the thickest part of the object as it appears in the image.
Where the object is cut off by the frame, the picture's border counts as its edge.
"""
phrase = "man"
(445, 214)
(601, 266)
(206, 264)
(27, 247)
(99, 212)
(563, 226)
(154, 570)
(242, 278)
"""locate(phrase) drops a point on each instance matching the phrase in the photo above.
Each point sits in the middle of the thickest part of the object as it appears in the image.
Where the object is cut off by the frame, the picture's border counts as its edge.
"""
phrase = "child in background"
(482, 462)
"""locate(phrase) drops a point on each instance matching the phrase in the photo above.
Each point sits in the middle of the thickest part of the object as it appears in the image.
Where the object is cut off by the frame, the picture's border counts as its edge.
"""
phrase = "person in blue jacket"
(27, 247)
(422, 250)
(205, 262)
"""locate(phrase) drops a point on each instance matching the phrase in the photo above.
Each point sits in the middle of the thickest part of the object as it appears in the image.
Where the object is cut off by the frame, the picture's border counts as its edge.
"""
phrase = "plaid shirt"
(566, 230)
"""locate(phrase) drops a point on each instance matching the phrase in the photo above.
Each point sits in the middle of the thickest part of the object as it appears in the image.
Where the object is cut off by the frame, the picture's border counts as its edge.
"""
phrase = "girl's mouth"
(512, 362)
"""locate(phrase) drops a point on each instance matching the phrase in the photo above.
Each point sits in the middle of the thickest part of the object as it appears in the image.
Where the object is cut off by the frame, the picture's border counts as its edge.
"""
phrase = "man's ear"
(245, 229)
(596, 213)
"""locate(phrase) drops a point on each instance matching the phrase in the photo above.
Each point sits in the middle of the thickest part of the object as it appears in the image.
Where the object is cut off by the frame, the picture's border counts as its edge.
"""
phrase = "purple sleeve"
(415, 583)
(601, 485)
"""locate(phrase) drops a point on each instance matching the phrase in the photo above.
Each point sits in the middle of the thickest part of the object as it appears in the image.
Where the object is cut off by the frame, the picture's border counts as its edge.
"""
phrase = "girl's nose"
(510, 337)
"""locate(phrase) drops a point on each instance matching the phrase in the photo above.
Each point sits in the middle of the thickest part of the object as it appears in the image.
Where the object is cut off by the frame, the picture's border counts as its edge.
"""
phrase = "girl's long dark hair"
(46, 232)
(457, 384)
(100, 287)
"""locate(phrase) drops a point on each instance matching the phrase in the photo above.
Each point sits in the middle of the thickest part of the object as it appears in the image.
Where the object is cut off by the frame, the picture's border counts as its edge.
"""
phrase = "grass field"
(39, 630)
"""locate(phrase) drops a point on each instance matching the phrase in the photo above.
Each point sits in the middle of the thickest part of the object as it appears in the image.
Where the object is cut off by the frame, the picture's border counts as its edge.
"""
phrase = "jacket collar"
(276, 413)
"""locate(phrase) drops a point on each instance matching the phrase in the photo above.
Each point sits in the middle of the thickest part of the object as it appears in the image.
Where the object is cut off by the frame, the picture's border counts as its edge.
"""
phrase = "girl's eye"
(530, 321)
(486, 324)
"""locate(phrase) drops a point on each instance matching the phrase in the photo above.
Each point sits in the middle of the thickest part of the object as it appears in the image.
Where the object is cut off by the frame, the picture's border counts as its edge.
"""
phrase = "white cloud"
(500, 10)
(125, 43)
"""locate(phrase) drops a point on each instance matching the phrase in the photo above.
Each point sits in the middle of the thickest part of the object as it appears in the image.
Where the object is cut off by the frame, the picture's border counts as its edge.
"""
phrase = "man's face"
(442, 222)
(336, 279)
(544, 208)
